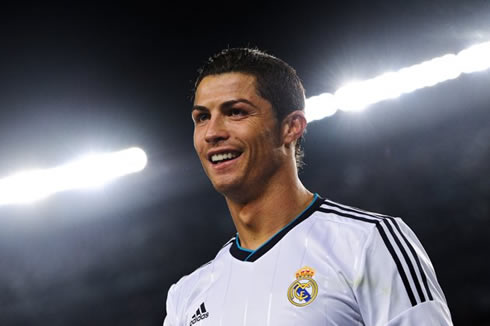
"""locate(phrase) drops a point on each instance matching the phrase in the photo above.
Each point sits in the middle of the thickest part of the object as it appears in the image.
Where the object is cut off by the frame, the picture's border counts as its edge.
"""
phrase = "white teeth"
(220, 157)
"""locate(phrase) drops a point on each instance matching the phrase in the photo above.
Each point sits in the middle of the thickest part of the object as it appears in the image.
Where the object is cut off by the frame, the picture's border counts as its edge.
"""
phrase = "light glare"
(356, 96)
(90, 171)
(319, 107)
(475, 58)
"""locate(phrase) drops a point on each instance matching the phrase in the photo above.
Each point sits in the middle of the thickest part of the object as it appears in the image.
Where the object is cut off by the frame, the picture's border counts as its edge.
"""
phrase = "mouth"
(222, 157)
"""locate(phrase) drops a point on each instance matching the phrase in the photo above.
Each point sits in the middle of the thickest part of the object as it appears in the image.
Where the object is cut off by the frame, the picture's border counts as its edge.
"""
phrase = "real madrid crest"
(304, 289)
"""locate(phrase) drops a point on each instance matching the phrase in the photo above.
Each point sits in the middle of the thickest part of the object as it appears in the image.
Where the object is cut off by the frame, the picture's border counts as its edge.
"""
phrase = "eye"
(234, 112)
(200, 117)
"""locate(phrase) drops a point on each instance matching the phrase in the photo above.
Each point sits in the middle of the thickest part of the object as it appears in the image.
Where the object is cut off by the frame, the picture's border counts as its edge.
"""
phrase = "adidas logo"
(200, 314)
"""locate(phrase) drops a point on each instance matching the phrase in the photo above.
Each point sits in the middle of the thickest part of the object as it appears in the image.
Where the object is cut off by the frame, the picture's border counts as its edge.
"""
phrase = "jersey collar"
(248, 255)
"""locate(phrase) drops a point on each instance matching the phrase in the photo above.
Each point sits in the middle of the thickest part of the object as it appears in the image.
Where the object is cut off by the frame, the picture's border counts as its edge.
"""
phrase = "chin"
(227, 188)
(223, 188)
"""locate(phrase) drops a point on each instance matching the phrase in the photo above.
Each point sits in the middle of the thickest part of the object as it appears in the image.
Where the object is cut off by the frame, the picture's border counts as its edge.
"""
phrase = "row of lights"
(356, 96)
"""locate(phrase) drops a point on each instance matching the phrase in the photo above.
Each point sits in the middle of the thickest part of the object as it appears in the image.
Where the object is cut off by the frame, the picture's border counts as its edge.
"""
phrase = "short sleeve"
(396, 282)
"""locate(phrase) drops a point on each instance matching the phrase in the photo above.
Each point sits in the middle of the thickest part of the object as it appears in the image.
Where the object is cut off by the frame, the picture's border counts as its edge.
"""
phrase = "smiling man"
(297, 258)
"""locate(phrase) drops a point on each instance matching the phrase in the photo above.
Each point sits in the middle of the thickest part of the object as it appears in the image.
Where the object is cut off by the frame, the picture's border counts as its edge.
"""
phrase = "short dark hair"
(277, 81)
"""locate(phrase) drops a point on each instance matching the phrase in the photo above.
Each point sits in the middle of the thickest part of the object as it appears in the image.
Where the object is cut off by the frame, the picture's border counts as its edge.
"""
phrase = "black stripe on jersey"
(253, 255)
(377, 221)
(409, 245)
(353, 209)
(417, 260)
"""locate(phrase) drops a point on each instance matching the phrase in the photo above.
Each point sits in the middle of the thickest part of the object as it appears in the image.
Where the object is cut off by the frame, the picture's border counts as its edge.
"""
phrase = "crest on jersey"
(304, 289)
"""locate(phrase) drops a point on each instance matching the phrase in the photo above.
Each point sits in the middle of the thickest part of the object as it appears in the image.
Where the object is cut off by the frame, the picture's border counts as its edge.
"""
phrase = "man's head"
(247, 141)
(276, 81)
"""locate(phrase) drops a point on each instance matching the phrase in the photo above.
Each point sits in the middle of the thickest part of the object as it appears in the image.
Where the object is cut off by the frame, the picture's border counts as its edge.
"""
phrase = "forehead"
(225, 87)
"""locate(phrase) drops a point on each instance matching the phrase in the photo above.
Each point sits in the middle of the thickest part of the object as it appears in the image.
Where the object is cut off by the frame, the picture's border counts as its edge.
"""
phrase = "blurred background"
(103, 77)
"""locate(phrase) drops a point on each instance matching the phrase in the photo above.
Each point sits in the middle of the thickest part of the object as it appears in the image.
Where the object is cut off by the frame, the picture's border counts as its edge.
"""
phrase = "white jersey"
(332, 265)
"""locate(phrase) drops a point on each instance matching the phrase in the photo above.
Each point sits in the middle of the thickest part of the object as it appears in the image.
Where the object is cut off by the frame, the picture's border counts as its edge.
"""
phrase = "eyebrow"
(226, 104)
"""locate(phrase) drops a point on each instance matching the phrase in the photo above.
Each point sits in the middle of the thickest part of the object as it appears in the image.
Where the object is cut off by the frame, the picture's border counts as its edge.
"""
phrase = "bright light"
(356, 96)
(319, 107)
(476, 58)
(90, 171)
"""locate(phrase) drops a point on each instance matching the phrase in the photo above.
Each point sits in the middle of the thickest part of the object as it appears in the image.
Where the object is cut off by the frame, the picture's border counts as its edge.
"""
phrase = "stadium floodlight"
(475, 58)
(90, 171)
(356, 96)
(319, 107)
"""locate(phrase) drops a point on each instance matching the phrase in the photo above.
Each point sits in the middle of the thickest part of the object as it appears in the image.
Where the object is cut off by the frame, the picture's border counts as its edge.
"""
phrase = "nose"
(216, 130)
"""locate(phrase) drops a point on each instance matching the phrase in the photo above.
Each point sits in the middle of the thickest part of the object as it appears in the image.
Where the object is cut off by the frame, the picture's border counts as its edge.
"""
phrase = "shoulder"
(345, 232)
(347, 220)
(202, 274)
(367, 227)
(386, 246)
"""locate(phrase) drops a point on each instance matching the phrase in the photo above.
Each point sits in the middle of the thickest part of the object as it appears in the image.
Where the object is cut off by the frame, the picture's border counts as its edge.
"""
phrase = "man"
(297, 259)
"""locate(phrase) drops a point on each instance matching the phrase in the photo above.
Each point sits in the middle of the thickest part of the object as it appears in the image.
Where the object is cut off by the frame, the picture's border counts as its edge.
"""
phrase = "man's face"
(236, 134)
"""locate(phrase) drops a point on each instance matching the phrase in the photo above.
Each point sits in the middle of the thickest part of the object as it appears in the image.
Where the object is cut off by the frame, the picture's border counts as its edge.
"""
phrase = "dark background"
(80, 77)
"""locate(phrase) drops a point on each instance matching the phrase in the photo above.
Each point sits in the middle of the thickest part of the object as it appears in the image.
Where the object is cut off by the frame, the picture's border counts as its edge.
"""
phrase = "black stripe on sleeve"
(388, 244)
(354, 210)
(346, 214)
(409, 245)
(407, 260)
(401, 271)
(417, 260)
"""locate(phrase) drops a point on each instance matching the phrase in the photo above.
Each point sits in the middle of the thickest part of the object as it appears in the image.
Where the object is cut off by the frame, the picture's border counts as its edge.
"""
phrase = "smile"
(223, 157)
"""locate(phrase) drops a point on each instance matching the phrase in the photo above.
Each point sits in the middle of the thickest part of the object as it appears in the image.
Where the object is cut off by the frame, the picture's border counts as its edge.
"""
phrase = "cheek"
(269, 137)
(196, 142)
(264, 144)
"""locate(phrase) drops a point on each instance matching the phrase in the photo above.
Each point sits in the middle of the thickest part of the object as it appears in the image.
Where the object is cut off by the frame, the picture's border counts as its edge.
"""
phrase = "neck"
(259, 218)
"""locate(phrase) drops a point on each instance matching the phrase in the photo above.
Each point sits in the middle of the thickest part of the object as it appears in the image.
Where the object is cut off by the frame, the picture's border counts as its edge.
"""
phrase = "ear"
(293, 127)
